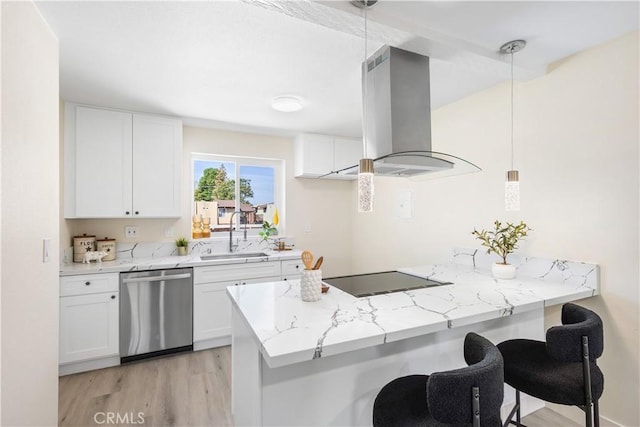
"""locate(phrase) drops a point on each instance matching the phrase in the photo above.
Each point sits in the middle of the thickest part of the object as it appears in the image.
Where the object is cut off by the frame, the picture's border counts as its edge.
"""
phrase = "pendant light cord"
(366, 86)
(511, 109)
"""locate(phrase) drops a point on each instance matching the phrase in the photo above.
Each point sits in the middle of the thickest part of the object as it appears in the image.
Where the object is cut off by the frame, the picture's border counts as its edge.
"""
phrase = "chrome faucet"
(231, 245)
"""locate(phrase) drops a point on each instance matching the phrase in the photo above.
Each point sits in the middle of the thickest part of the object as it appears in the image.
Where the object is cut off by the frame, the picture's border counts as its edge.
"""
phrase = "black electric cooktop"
(363, 285)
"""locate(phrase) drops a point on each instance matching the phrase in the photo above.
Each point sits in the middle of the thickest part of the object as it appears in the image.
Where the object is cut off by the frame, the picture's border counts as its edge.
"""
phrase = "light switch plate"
(130, 232)
(402, 206)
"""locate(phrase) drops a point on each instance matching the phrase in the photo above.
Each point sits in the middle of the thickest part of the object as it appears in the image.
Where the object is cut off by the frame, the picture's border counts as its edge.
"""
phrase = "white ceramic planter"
(503, 271)
(311, 285)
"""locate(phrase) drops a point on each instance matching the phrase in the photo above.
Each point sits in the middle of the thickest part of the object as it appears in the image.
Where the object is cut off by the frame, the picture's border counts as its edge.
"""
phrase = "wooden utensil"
(318, 263)
(307, 260)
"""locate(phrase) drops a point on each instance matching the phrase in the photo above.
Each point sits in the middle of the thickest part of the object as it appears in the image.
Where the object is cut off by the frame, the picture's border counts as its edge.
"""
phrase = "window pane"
(256, 193)
(214, 193)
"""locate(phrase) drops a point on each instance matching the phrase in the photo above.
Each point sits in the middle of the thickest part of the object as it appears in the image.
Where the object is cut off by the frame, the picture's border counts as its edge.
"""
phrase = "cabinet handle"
(297, 266)
(113, 297)
(285, 279)
(136, 212)
(87, 283)
(126, 213)
(244, 283)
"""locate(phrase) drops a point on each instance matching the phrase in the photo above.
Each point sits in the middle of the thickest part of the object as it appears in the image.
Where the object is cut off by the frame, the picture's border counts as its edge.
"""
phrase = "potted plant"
(267, 231)
(502, 241)
(182, 243)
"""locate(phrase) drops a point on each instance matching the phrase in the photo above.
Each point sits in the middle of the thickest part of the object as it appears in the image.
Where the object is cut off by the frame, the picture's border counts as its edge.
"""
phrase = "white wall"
(29, 198)
(576, 146)
(324, 205)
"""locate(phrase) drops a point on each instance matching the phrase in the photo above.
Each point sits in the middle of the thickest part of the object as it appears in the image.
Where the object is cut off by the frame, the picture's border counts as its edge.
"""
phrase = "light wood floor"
(189, 389)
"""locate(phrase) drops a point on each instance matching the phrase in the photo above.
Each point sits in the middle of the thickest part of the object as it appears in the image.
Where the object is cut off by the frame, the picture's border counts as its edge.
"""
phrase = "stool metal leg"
(586, 374)
(516, 411)
(475, 405)
(518, 406)
(596, 414)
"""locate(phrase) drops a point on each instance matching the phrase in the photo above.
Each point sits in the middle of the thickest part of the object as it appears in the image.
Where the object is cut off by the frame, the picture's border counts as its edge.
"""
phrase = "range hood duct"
(399, 103)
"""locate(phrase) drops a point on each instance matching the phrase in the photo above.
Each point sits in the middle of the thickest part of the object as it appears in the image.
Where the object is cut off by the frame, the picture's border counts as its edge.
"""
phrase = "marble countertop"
(164, 262)
(289, 330)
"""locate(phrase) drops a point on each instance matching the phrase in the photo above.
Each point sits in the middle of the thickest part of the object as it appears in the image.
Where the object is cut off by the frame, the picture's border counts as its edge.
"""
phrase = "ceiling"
(220, 63)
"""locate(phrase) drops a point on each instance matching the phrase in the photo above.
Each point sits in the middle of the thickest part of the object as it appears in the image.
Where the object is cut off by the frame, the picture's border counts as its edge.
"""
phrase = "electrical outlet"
(168, 232)
(130, 232)
(307, 228)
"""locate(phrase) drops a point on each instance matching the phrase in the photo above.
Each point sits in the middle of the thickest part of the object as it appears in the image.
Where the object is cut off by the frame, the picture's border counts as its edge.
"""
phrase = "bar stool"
(470, 396)
(561, 370)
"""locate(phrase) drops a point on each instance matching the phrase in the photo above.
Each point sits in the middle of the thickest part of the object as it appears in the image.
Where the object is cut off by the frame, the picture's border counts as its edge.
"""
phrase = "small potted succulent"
(502, 241)
(183, 244)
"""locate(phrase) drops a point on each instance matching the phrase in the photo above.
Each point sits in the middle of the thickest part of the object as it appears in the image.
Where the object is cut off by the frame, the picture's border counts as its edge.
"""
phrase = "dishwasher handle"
(156, 278)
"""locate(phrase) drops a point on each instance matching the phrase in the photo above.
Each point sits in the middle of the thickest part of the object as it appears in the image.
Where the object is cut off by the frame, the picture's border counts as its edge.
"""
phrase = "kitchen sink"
(233, 256)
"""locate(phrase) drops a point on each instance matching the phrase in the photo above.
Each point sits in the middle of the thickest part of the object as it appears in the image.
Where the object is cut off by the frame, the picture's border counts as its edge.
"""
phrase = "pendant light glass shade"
(365, 186)
(512, 183)
(512, 192)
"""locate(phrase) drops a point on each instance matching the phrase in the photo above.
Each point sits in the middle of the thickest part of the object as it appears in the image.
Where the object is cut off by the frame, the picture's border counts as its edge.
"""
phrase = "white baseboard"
(212, 343)
(88, 365)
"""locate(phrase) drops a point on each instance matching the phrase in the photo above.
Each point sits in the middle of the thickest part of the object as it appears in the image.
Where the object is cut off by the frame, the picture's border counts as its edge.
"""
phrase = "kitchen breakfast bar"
(323, 362)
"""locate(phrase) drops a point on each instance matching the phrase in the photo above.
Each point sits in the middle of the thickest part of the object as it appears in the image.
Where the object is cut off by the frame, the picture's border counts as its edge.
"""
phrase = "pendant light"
(365, 171)
(512, 183)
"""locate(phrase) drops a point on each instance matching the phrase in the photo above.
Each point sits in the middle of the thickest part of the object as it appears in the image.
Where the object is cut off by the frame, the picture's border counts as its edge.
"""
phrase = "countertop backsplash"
(132, 250)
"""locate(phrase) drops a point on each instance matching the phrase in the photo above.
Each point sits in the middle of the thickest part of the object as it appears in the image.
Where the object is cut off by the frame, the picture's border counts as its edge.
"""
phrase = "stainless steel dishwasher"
(156, 313)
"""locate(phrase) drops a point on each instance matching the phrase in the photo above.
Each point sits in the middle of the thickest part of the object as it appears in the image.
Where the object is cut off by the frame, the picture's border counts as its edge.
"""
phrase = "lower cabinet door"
(88, 327)
(211, 311)
(212, 307)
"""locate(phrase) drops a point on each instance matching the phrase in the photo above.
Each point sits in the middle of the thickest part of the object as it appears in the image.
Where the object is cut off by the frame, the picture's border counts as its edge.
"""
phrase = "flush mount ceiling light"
(365, 172)
(512, 183)
(287, 103)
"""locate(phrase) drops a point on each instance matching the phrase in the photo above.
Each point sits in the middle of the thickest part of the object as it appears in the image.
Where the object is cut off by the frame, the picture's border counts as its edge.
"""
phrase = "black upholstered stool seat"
(563, 369)
(528, 368)
(444, 399)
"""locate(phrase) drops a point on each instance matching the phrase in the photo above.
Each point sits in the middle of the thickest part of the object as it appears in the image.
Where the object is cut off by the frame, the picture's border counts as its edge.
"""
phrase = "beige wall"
(576, 146)
(324, 205)
(30, 198)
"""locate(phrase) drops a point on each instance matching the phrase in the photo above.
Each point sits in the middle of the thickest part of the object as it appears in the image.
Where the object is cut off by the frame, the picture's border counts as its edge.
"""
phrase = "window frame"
(278, 166)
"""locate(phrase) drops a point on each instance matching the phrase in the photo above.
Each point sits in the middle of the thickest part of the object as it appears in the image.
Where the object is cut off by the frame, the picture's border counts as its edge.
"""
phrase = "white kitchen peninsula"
(322, 363)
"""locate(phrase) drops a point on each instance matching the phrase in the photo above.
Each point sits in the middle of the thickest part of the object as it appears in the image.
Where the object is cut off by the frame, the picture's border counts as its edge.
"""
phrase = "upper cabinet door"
(157, 171)
(102, 155)
(347, 152)
(314, 155)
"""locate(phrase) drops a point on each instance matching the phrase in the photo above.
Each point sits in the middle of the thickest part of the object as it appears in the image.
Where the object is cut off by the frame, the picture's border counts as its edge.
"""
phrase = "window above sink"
(226, 184)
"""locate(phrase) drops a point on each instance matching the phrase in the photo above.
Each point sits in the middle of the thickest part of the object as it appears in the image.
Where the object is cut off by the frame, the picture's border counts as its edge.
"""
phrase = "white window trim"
(278, 166)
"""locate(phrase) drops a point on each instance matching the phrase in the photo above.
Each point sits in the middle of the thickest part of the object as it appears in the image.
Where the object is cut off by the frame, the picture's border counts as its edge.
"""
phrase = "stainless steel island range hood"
(399, 107)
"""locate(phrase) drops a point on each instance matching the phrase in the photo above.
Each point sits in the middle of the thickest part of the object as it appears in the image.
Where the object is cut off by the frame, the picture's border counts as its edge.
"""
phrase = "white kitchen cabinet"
(317, 155)
(121, 165)
(88, 322)
(157, 166)
(346, 152)
(292, 269)
(211, 305)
